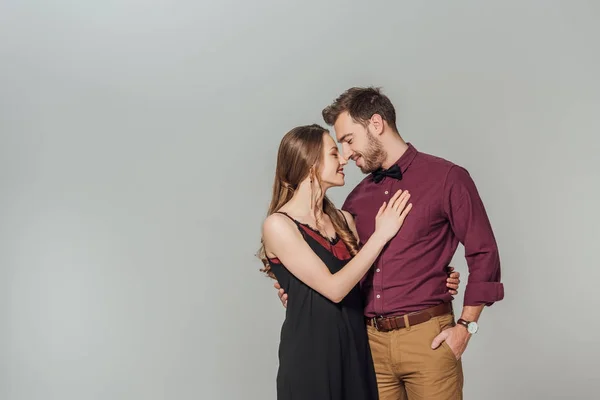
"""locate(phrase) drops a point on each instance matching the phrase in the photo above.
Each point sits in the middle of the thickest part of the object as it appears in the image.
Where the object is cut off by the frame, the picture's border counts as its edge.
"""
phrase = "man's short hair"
(361, 104)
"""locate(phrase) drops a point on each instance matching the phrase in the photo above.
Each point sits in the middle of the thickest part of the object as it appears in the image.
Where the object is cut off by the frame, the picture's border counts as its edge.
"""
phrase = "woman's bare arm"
(283, 239)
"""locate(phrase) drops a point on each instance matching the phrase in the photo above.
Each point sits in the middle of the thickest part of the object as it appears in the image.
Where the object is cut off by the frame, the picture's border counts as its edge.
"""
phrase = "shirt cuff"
(478, 293)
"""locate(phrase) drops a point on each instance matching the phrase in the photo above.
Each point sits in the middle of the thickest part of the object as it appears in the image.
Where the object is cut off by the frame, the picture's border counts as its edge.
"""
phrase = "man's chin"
(365, 169)
(360, 163)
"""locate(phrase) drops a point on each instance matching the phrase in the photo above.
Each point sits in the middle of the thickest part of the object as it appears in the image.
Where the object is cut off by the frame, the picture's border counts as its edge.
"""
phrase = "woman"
(309, 247)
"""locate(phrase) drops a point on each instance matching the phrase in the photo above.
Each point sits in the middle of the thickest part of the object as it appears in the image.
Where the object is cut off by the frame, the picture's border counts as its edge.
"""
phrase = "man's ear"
(377, 124)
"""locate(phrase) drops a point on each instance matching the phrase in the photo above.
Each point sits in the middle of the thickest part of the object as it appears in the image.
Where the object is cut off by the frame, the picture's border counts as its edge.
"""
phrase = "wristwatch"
(471, 326)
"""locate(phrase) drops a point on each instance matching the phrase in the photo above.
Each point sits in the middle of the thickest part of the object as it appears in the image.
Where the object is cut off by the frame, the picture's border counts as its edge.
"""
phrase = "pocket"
(445, 322)
(417, 223)
(449, 351)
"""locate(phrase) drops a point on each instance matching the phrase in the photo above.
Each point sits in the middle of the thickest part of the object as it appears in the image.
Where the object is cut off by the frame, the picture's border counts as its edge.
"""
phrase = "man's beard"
(374, 155)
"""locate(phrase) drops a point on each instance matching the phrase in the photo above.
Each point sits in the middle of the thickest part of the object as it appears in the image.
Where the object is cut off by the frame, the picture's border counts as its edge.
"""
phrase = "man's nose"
(347, 152)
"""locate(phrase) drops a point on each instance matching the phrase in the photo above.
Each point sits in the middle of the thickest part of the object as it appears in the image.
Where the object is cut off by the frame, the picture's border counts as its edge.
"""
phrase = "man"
(414, 338)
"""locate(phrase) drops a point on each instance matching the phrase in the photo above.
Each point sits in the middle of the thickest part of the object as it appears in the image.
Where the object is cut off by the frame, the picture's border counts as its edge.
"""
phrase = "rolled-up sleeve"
(471, 225)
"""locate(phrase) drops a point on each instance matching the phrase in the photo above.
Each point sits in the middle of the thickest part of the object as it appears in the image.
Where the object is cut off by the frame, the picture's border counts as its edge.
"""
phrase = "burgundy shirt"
(410, 273)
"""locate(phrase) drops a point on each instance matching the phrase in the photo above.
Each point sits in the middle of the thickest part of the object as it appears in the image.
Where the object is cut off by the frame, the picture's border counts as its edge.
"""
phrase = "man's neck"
(394, 146)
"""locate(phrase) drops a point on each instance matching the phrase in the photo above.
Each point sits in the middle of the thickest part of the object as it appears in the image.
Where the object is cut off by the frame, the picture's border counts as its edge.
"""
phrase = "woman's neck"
(307, 203)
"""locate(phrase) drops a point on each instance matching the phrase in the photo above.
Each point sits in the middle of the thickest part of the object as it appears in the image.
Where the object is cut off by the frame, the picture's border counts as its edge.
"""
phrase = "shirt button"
(377, 270)
(378, 296)
(386, 192)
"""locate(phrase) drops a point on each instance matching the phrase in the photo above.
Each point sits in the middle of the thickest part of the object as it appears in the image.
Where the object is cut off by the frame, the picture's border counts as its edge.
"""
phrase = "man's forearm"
(471, 313)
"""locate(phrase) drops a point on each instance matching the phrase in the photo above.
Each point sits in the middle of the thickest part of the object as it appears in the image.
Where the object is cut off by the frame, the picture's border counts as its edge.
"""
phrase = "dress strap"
(286, 214)
(345, 219)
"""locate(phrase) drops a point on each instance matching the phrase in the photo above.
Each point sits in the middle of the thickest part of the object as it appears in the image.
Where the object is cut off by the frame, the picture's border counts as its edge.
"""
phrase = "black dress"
(324, 350)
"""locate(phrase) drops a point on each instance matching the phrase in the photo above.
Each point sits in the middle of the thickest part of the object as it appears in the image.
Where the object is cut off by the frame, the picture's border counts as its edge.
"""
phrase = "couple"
(369, 313)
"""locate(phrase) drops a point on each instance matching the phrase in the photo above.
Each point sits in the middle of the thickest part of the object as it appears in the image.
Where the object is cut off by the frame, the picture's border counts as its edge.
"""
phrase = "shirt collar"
(407, 157)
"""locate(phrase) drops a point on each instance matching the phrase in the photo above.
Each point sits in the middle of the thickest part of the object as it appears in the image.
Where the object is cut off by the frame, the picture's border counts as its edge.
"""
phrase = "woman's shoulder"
(278, 223)
(347, 216)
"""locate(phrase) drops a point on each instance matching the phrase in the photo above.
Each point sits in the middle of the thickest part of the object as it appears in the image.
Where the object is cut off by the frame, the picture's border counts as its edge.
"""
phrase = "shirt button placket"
(389, 187)
(379, 277)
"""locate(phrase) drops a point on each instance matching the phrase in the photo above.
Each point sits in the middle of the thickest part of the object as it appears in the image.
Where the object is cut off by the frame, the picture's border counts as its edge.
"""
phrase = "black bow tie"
(393, 172)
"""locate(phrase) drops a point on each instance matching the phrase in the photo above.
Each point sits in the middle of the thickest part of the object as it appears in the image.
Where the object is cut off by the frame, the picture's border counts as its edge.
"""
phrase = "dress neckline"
(331, 241)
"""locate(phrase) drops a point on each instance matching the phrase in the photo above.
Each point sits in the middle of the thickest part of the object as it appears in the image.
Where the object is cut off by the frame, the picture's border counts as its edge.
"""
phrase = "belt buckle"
(375, 323)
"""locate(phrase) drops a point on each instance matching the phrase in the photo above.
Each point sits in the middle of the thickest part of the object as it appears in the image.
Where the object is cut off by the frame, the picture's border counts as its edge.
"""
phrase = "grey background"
(138, 143)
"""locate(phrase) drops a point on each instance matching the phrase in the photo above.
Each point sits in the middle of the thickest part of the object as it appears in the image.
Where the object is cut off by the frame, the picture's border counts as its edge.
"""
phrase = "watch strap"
(463, 322)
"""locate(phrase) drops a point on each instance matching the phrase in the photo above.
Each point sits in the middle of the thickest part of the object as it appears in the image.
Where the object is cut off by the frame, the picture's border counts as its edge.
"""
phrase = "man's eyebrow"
(345, 136)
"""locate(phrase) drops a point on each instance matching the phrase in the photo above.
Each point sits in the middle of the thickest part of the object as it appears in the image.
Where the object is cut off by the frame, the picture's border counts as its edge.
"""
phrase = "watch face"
(472, 328)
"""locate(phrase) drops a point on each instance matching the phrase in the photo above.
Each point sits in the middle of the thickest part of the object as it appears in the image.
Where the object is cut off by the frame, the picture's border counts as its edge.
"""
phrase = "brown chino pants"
(408, 368)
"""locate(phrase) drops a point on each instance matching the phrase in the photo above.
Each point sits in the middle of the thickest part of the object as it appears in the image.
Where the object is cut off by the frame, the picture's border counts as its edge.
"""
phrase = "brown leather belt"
(386, 324)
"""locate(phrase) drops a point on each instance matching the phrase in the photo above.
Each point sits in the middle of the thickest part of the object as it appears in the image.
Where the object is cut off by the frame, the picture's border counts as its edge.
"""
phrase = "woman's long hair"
(300, 155)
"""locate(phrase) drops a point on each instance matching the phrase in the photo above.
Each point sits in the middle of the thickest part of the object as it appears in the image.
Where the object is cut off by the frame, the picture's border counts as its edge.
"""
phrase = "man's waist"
(422, 283)
(399, 321)
(388, 306)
